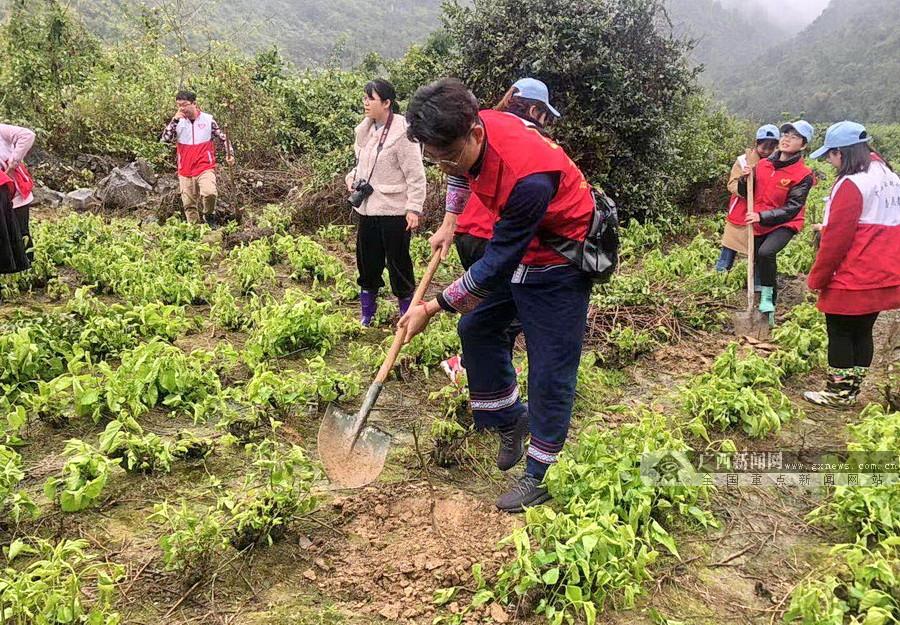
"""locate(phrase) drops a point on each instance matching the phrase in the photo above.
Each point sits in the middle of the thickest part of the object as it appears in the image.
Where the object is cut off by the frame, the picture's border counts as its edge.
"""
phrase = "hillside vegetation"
(846, 64)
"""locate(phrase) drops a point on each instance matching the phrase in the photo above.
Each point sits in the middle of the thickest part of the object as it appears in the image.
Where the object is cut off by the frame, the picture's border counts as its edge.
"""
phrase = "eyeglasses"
(453, 164)
(366, 98)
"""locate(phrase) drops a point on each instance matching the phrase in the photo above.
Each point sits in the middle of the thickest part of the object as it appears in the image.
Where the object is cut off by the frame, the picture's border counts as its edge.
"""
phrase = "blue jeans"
(551, 304)
(726, 259)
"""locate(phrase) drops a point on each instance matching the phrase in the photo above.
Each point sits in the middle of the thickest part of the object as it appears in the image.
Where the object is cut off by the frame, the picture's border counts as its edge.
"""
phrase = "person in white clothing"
(16, 194)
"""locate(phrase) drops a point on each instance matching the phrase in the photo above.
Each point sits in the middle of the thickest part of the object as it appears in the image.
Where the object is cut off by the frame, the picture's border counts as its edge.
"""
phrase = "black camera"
(361, 190)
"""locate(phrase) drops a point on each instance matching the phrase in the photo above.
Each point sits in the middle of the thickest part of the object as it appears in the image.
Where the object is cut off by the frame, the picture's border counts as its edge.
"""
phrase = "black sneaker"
(512, 443)
(526, 492)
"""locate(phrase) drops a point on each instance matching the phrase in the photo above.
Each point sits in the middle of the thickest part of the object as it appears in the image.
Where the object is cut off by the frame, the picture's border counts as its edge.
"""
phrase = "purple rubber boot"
(404, 304)
(368, 301)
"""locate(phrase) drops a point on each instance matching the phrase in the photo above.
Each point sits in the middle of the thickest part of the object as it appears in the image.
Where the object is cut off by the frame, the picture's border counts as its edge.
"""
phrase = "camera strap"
(384, 134)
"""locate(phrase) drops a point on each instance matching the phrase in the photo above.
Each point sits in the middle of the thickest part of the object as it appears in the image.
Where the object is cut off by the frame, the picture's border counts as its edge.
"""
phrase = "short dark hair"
(385, 91)
(441, 113)
(855, 159)
(184, 94)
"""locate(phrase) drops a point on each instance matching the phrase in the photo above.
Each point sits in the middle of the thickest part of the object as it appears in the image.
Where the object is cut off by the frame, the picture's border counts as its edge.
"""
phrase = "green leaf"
(482, 597)
(551, 576)
(443, 596)
(17, 548)
(573, 594)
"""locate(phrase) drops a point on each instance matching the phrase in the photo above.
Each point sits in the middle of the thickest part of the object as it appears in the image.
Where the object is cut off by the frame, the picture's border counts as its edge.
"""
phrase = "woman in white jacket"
(387, 190)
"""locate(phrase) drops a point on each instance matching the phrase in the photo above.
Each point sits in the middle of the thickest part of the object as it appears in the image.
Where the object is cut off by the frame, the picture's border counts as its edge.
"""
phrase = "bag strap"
(384, 133)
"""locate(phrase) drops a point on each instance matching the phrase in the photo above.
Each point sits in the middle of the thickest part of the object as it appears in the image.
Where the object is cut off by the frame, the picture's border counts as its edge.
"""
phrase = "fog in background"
(792, 15)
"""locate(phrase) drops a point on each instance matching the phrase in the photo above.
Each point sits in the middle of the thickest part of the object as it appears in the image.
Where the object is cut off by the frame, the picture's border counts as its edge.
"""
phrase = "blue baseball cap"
(769, 131)
(842, 135)
(803, 128)
(534, 89)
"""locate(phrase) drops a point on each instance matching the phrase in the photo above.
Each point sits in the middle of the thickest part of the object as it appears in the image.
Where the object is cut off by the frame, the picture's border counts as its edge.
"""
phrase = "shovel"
(752, 322)
(352, 452)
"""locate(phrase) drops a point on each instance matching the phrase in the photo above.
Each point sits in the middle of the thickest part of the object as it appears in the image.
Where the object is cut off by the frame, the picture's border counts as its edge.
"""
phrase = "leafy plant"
(294, 324)
(862, 590)
(225, 310)
(277, 490)
(602, 540)
(157, 373)
(250, 266)
(191, 540)
(58, 583)
(802, 340)
(868, 511)
(140, 452)
(16, 503)
(83, 477)
(739, 391)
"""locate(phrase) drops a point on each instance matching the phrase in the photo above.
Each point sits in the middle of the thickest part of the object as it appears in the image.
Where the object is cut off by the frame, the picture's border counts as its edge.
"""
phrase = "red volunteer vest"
(514, 151)
(737, 206)
(196, 150)
(771, 191)
(476, 220)
(6, 181)
(23, 181)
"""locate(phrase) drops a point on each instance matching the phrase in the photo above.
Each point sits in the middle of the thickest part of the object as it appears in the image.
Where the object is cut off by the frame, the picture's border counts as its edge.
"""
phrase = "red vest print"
(771, 191)
(515, 150)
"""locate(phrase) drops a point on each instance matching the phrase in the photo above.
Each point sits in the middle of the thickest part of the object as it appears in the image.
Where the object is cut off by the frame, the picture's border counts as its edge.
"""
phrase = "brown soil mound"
(407, 540)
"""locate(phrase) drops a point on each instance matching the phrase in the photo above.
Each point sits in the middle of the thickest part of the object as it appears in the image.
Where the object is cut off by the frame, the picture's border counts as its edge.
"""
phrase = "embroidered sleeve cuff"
(464, 295)
(442, 302)
(456, 199)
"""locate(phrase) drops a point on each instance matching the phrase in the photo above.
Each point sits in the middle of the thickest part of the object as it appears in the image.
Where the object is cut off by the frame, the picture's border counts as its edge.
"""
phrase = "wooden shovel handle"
(750, 243)
(400, 335)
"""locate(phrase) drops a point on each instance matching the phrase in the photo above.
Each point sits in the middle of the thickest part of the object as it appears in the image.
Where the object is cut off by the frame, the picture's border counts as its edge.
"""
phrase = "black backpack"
(598, 254)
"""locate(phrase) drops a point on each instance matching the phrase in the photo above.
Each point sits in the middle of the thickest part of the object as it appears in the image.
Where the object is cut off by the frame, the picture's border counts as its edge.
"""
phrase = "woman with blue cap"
(782, 184)
(735, 237)
(856, 272)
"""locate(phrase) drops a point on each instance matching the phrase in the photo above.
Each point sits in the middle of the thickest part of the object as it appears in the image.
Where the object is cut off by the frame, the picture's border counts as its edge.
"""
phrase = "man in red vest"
(534, 188)
(195, 133)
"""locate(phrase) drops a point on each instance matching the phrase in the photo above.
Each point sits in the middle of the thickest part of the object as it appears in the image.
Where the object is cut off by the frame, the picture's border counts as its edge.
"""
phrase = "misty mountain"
(846, 64)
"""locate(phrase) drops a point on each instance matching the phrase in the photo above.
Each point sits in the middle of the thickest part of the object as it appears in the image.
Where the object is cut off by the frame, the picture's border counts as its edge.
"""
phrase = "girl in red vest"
(467, 221)
(857, 271)
(532, 186)
(766, 141)
(781, 184)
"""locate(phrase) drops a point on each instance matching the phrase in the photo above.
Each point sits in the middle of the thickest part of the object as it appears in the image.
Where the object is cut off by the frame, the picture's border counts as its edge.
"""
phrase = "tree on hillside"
(614, 68)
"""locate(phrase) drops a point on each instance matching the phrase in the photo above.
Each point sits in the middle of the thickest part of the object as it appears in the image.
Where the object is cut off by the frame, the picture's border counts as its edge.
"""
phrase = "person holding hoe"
(782, 183)
(857, 268)
(195, 132)
(537, 193)
(733, 241)
(467, 221)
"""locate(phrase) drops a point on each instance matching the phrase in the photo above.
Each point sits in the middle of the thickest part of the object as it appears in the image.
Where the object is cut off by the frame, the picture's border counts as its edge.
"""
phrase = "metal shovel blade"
(751, 323)
(351, 461)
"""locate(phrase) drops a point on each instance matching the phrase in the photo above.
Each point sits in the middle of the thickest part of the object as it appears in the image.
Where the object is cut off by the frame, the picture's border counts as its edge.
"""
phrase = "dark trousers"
(16, 253)
(850, 341)
(551, 304)
(470, 249)
(767, 247)
(380, 241)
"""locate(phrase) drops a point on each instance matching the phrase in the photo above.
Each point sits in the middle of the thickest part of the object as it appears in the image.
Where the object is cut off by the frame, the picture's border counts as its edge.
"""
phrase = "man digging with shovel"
(532, 186)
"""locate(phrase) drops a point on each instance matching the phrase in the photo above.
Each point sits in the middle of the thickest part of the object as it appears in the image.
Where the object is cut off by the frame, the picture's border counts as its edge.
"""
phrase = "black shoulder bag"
(598, 254)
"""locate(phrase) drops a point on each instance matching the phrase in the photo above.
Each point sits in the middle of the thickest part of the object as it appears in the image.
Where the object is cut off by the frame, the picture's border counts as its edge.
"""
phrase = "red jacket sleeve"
(837, 235)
